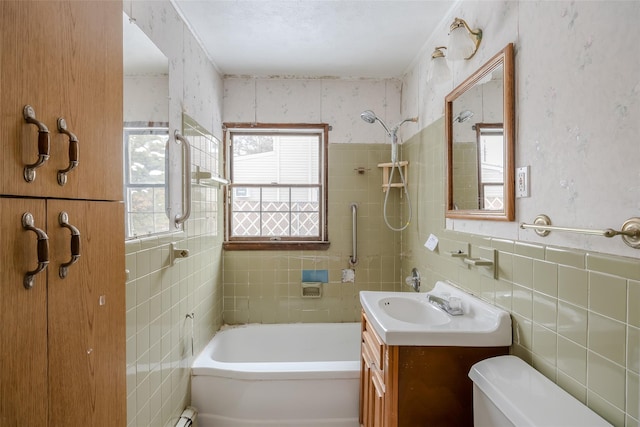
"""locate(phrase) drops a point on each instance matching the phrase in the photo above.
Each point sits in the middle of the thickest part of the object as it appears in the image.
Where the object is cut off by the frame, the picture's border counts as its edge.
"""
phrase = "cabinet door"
(365, 386)
(64, 58)
(87, 383)
(372, 413)
(378, 400)
(23, 318)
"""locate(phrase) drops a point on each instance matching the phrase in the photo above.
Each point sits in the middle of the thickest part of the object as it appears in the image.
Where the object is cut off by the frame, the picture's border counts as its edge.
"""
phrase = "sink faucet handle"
(455, 303)
(413, 280)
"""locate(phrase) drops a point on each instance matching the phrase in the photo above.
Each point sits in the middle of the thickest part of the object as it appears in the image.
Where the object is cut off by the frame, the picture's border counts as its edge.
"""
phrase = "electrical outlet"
(522, 182)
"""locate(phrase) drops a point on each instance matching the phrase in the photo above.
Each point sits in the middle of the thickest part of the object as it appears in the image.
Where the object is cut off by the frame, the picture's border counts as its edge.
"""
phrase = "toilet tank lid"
(528, 398)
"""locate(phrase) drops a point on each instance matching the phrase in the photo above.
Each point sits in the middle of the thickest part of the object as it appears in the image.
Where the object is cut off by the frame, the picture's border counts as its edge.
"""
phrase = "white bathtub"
(303, 375)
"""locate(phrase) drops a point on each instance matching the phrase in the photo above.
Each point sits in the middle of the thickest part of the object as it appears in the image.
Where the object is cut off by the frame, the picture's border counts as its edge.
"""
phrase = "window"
(145, 179)
(278, 186)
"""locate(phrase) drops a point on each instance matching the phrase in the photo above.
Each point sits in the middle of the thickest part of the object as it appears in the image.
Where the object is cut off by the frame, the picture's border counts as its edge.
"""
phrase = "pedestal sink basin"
(408, 318)
(412, 311)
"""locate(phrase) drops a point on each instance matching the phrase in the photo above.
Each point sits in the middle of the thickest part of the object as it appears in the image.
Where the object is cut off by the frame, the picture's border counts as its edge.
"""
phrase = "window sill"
(276, 246)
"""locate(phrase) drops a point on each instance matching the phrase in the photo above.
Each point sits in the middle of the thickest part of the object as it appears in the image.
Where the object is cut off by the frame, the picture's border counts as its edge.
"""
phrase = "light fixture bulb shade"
(439, 71)
(461, 46)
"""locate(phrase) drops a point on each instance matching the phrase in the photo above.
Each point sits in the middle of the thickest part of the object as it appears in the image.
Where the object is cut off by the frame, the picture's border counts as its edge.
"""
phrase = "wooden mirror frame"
(504, 58)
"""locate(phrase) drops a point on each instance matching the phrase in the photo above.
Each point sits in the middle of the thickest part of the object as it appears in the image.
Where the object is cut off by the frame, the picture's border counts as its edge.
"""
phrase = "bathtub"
(303, 375)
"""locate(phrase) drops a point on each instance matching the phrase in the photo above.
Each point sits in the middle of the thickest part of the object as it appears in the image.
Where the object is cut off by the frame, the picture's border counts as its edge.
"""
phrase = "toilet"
(508, 392)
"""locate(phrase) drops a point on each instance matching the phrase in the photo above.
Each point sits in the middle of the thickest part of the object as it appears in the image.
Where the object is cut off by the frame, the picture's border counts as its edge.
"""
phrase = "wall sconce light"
(463, 41)
(439, 71)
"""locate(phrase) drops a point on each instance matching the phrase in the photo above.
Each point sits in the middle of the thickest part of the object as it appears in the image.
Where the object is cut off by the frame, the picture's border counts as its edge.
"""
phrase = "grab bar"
(353, 259)
(630, 231)
(186, 179)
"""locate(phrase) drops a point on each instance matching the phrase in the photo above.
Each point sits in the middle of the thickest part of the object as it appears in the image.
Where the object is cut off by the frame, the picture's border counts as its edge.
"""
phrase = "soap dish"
(311, 289)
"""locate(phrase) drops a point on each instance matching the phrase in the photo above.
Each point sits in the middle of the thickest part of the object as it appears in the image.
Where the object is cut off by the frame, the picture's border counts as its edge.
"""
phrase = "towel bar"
(630, 230)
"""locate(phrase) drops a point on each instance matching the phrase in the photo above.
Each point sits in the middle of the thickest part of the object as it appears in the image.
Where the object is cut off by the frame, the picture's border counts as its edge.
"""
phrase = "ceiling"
(313, 38)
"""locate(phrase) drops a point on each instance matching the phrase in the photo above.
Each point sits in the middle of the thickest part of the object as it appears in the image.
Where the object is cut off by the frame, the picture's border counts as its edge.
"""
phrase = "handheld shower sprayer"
(370, 117)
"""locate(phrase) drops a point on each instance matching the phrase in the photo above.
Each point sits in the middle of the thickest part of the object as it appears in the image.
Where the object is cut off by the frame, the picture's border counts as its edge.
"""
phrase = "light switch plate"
(522, 182)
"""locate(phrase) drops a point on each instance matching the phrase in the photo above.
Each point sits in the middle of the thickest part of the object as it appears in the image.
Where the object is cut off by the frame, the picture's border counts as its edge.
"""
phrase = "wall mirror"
(145, 132)
(480, 132)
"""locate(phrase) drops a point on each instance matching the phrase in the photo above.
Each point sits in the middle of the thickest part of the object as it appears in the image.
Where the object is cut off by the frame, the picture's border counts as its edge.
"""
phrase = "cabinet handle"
(73, 151)
(186, 179)
(43, 143)
(63, 219)
(43, 249)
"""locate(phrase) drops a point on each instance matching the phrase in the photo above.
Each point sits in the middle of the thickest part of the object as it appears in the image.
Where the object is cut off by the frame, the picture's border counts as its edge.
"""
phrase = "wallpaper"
(577, 111)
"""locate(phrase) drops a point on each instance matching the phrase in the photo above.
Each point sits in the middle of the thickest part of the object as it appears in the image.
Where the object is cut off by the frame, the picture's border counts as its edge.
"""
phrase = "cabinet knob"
(29, 115)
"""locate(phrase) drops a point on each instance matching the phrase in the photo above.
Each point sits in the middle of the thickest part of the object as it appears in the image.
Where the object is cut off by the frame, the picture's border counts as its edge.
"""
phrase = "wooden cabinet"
(64, 58)
(62, 354)
(372, 382)
(408, 386)
(62, 340)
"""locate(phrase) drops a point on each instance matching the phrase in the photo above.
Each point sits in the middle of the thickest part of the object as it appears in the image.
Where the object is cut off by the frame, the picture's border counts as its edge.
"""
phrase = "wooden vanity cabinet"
(372, 381)
(409, 386)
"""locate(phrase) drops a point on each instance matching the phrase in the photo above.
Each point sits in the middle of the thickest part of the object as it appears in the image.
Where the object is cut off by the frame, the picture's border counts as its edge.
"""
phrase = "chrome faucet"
(451, 305)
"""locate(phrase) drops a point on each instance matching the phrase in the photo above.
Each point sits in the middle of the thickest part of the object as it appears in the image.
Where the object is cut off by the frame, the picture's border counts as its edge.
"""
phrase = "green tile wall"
(265, 286)
(576, 314)
(159, 296)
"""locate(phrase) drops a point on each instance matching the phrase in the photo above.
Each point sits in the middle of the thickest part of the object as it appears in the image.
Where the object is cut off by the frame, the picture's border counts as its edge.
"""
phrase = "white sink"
(412, 310)
(403, 318)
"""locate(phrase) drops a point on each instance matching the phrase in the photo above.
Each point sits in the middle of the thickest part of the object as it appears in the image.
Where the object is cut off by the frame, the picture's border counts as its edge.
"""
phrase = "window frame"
(320, 242)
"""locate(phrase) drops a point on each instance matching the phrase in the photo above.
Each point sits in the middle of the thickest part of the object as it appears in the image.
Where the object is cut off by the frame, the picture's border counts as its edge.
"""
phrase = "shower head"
(463, 116)
(368, 116)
